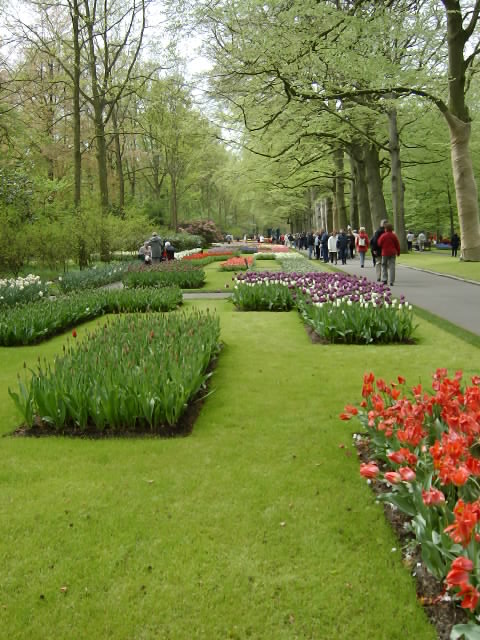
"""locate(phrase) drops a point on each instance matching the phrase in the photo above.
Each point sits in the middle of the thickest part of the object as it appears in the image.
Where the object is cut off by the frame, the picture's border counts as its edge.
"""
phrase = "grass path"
(256, 526)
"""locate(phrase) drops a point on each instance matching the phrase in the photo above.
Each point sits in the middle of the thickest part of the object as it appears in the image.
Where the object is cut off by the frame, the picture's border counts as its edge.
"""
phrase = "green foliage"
(136, 373)
(15, 237)
(33, 323)
(183, 241)
(272, 297)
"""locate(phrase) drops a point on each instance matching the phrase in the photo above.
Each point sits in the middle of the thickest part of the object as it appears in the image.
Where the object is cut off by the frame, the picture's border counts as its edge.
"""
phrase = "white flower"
(40, 293)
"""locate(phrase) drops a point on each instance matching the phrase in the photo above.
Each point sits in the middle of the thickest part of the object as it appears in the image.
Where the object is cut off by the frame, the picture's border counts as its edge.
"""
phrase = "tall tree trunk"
(375, 188)
(450, 208)
(173, 202)
(465, 187)
(118, 161)
(329, 213)
(398, 187)
(458, 121)
(77, 155)
(98, 103)
(353, 196)
(341, 208)
(364, 213)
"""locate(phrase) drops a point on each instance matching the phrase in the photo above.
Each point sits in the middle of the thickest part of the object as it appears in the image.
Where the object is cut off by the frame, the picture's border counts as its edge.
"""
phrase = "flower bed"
(338, 307)
(237, 264)
(182, 274)
(14, 291)
(425, 450)
(29, 324)
(135, 374)
(215, 255)
(91, 278)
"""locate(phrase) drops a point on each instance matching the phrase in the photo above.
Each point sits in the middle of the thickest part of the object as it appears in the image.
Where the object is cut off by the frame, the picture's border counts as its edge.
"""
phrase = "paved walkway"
(451, 298)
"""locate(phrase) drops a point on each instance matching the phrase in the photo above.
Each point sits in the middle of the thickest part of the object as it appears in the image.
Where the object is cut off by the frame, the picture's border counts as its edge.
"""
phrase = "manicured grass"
(215, 279)
(441, 262)
(256, 526)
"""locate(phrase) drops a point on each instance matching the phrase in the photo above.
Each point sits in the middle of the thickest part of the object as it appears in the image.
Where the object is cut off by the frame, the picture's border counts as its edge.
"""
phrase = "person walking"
(376, 251)
(455, 242)
(390, 249)
(310, 244)
(155, 243)
(324, 245)
(421, 241)
(332, 247)
(362, 243)
(317, 245)
(352, 242)
(343, 246)
(410, 239)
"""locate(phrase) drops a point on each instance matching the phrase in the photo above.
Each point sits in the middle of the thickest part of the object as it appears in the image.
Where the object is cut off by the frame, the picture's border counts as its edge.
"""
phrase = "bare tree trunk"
(375, 188)
(398, 187)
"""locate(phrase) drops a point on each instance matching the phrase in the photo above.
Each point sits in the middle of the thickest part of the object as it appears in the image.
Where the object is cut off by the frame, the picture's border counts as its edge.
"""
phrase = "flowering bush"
(15, 291)
(425, 449)
(137, 373)
(207, 229)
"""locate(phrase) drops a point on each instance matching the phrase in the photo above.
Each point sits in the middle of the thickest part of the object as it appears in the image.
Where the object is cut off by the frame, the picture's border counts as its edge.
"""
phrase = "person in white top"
(332, 247)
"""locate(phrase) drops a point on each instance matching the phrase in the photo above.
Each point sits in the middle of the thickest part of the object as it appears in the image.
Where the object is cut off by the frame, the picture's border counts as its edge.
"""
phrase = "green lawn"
(257, 525)
(441, 262)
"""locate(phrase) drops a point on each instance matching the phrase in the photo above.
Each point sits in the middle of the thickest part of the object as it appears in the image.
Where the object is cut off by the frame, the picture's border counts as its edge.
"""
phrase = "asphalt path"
(449, 297)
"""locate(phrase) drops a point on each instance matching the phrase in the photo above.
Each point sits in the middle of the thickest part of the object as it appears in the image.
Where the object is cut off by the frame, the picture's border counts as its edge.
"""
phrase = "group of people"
(342, 245)
(155, 250)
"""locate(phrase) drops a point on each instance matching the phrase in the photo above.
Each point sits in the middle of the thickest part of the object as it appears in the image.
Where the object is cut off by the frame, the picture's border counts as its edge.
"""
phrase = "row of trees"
(307, 100)
(96, 120)
(338, 96)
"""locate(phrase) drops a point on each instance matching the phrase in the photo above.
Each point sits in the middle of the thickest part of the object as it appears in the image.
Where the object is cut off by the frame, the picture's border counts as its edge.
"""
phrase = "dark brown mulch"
(182, 428)
(443, 614)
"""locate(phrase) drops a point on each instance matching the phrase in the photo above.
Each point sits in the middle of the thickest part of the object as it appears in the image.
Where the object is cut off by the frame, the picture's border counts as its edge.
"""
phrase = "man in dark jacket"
(324, 243)
(375, 249)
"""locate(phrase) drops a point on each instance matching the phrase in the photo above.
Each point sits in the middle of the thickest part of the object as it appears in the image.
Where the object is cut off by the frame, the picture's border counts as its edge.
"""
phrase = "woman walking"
(362, 243)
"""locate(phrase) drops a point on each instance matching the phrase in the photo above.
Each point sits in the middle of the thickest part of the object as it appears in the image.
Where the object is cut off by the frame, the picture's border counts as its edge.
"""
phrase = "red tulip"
(369, 470)
(433, 497)
(74, 333)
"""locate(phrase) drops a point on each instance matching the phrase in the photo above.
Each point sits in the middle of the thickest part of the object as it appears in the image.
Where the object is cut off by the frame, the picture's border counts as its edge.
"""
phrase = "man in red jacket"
(390, 247)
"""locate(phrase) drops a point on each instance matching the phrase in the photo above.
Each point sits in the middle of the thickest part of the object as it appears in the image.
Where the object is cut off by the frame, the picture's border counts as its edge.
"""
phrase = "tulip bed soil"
(256, 526)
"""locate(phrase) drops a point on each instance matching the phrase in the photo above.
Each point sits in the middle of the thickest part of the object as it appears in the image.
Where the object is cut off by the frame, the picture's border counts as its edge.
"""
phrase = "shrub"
(206, 229)
(136, 373)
